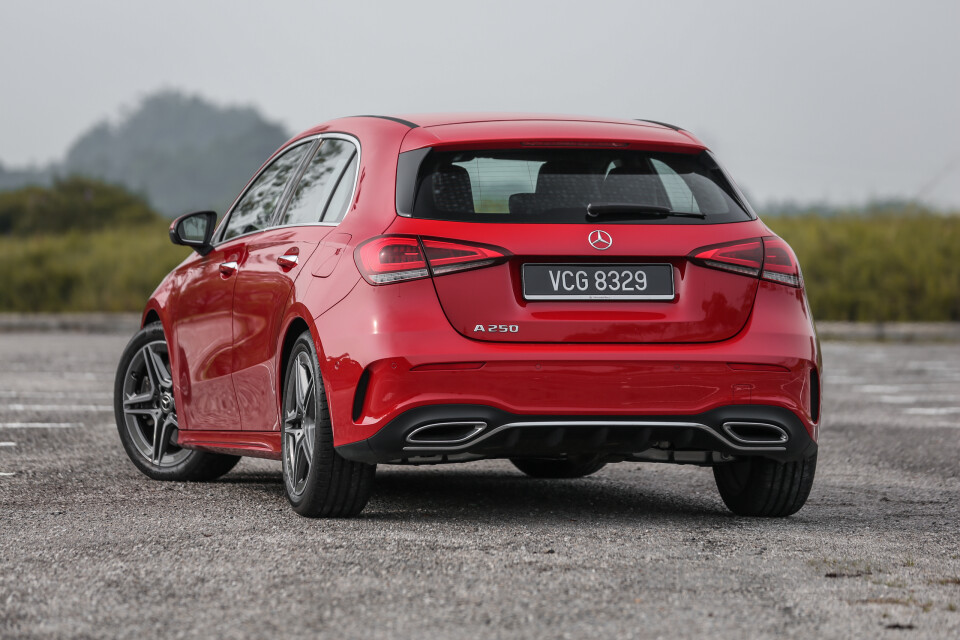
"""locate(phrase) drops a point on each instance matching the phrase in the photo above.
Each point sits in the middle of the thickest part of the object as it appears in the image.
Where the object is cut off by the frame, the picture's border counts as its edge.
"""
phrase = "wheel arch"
(294, 326)
(149, 317)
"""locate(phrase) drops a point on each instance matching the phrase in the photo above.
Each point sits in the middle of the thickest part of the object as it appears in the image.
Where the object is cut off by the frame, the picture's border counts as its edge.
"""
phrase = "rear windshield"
(557, 185)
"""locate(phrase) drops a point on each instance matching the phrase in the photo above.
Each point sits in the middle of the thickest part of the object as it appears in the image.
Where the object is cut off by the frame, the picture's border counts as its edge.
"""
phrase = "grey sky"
(815, 100)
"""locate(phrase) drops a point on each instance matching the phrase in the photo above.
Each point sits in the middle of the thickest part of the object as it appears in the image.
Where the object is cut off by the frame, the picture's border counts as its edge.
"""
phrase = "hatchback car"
(562, 292)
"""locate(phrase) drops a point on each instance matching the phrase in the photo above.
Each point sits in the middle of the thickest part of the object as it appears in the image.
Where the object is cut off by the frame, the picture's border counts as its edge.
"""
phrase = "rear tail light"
(739, 257)
(779, 263)
(448, 257)
(390, 259)
(769, 258)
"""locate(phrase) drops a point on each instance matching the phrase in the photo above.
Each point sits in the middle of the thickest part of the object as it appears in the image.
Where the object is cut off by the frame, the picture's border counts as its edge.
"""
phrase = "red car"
(562, 292)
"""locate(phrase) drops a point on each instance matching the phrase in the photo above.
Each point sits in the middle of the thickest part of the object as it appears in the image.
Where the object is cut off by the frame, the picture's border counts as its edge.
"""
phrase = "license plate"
(598, 282)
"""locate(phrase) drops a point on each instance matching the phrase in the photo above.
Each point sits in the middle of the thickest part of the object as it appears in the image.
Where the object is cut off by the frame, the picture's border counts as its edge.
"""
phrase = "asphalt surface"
(90, 548)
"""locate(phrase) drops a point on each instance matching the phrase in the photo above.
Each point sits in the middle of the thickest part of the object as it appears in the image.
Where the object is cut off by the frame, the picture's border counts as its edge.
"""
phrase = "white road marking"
(924, 399)
(10, 393)
(7, 474)
(931, 411)
(57, 407)
(878, 388)
(929, 365)
(842, 379)
(898, 399)
(39, 425)
(8, 444)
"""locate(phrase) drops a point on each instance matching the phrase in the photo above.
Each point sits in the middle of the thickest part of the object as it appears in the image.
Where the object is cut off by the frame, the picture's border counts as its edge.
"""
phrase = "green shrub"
(74, 203)
(108, 270)
(886, 267)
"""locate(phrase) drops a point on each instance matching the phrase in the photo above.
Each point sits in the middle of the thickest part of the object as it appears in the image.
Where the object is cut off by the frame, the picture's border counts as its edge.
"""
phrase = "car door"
(270, 265)
(203, 320)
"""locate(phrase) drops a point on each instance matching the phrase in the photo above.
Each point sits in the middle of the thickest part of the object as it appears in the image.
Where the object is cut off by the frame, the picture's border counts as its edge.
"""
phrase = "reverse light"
(768, 258)
(389, 259)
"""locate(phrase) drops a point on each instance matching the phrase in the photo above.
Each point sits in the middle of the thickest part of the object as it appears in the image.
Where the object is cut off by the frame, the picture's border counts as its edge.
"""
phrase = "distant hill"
(180, 152)
(17, 178)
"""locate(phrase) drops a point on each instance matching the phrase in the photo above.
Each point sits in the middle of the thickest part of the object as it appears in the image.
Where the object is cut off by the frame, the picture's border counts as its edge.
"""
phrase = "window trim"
(315, 141)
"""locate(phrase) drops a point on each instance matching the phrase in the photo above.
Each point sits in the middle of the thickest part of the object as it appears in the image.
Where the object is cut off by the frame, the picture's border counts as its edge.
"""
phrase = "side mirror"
(194, 230)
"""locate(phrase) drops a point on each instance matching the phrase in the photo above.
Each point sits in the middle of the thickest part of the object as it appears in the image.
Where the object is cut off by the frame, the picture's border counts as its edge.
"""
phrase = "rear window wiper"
(597, 209)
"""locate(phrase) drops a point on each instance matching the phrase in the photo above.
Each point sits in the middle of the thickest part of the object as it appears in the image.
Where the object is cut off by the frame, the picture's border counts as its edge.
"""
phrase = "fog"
(834, 101)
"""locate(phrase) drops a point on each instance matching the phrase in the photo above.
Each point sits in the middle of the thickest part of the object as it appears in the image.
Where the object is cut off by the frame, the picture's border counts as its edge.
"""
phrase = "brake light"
(390, 259)
(779, 263)
(769, 258)
(744, 257)
(448, 257)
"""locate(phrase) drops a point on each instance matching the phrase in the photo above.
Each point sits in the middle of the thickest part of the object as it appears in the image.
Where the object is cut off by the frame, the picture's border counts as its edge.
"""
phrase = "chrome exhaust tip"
(446, 433)
(756, 433)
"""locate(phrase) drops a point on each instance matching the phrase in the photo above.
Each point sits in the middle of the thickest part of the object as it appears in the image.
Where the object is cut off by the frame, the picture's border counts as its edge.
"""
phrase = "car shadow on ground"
(478, 495)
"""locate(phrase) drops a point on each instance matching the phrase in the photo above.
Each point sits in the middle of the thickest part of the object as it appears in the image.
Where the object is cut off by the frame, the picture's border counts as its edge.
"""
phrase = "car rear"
(601, 290)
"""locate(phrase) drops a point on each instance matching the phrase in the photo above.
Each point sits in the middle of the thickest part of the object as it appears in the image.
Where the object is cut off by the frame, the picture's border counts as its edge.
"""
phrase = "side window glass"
(319, 182)
(340, 199)
(259, 203)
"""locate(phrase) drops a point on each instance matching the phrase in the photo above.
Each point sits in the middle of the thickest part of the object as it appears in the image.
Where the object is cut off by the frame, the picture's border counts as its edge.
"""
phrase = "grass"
(890, 267)
(106, 270)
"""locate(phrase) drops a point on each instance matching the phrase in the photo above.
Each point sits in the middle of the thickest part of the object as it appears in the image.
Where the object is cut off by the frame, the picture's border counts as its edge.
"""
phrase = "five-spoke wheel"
(146, 414)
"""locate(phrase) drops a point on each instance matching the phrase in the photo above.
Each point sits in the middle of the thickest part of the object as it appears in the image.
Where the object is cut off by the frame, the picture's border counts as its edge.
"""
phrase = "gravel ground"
(90, 548)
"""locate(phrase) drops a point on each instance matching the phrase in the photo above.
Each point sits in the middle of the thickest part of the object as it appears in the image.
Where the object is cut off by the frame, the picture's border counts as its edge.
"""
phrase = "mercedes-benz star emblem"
(600, 240)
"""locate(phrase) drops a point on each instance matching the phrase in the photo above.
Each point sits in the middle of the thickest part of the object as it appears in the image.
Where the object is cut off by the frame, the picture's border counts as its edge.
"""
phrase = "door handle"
(288, 260)
(228, 268)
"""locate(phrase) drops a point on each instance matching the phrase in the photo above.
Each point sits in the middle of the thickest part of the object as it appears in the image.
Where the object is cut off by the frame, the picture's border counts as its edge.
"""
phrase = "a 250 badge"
(496, 328)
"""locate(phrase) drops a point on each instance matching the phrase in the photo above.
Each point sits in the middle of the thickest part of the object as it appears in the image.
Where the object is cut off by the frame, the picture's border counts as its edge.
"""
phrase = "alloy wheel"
(299, 423)
(149, 409)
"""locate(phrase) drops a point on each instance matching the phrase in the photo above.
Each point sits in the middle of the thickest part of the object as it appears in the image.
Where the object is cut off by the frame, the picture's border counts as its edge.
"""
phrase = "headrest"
(451, 189)
(633, 186)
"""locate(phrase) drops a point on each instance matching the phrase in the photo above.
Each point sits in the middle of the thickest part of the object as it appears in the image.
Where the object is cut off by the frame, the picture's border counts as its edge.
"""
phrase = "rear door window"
(319, 184)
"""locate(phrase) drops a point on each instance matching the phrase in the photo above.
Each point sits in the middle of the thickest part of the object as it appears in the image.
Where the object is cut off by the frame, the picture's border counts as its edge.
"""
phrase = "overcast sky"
(836, 100)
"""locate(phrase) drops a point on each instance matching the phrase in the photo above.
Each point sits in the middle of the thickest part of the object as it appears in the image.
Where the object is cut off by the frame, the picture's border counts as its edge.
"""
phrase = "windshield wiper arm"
(597, 209)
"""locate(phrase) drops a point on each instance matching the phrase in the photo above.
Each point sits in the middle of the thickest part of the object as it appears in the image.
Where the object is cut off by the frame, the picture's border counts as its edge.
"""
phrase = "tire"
(146, 414)
(571, 467)
(764, 487)
(318, 481)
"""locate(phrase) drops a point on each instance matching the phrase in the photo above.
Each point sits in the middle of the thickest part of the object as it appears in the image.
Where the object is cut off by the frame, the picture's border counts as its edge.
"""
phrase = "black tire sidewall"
(304, 344)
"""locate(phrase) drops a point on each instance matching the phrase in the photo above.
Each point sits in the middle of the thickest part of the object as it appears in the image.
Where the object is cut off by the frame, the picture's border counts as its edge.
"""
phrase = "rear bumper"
(381, 367)
(451, 433)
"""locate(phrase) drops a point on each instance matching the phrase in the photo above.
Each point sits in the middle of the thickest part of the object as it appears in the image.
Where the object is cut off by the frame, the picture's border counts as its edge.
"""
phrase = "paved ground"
(90, 548)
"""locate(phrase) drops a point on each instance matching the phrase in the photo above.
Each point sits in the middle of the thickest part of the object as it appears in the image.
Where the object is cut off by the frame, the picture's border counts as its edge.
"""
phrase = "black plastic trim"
(412, 125)
(360, 397)
(408, 166)
(662, 124)
(510, 435)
